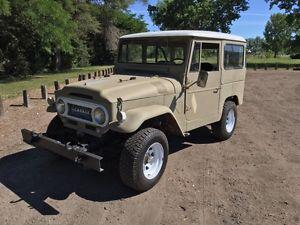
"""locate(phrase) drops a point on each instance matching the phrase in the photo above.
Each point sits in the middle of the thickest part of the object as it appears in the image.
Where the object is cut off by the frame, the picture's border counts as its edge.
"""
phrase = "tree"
(58, 34)
(33, 33)
(255, 46)
(292, 9)
(277, 33)
(115, 21)
(215, 15)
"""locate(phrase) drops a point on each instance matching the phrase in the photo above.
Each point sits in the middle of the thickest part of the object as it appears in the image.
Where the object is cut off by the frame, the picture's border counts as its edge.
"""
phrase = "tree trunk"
(111, 36)
(275, 54)
(57, 60)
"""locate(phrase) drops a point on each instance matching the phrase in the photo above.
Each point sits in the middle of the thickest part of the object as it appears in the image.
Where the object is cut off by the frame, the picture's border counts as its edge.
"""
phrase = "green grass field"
(11, 88)
(282, 62)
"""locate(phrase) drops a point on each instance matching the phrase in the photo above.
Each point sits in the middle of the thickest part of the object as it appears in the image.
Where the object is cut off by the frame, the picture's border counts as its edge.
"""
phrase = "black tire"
(55, 128)
(219, 129)
(132, 158)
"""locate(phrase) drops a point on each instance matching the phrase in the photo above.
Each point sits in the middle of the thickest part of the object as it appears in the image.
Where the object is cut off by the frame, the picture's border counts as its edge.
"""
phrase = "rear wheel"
(224, 129)
(144, 158)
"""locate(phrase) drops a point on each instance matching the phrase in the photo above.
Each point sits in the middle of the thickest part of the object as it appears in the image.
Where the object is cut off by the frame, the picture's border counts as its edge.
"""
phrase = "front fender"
(136, 117)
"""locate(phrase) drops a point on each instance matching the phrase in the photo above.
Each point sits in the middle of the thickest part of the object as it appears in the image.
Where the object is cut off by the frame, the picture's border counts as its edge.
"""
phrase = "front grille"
(80, 112)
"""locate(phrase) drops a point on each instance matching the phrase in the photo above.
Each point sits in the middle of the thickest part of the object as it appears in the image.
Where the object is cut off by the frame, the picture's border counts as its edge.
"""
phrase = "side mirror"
(202, 78)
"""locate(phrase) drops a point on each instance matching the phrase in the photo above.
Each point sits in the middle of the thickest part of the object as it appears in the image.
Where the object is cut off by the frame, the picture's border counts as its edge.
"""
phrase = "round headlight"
(99, 116)
(60, 106)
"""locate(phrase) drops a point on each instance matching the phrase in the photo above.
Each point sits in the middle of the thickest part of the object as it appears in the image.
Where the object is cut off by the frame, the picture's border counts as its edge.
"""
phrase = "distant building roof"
(189, 33)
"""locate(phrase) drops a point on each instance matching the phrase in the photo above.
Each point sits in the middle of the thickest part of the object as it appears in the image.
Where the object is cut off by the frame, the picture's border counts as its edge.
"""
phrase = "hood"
(127, 87)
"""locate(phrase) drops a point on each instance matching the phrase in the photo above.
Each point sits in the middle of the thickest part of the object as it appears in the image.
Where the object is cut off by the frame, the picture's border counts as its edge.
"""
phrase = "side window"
(195, 64)
(210, 57)
(233, 56)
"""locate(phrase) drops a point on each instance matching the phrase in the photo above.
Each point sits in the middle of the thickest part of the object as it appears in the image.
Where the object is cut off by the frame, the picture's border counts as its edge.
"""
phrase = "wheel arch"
(157, 116)
(233, 98)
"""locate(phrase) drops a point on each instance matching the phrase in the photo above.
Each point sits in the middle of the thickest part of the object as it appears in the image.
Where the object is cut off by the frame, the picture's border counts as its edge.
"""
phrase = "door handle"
(216, 90)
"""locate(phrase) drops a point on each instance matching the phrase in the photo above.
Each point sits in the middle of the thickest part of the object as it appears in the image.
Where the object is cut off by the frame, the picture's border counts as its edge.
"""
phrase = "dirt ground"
(253, 178)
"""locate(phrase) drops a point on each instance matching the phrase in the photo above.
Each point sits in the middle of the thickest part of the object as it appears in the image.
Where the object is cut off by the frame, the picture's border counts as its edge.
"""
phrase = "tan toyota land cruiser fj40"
(165, 83)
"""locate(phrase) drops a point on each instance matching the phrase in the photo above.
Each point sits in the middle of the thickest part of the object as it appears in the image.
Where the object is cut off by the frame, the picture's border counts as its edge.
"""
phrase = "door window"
(206, 55)
(210, 57)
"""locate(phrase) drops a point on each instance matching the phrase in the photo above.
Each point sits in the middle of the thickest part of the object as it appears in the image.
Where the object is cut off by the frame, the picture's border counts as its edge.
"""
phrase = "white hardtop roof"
(189, 33)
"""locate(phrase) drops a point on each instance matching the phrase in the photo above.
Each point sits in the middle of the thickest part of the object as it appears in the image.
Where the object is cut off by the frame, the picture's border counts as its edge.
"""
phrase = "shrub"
(295, 56)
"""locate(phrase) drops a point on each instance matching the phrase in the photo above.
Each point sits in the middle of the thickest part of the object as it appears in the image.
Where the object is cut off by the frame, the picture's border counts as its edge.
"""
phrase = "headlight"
(60, 106)
(99, 116)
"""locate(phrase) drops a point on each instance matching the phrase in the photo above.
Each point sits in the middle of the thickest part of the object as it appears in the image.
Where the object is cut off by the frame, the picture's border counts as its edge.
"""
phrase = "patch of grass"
(11, 88)
(280, 62)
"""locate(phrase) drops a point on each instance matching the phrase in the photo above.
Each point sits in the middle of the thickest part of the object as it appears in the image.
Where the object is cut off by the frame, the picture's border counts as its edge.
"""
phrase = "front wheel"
(224, 129)
(144, 158)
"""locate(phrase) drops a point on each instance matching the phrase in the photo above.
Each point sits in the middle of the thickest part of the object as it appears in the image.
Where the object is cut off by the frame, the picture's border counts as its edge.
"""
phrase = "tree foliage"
(57, 34)
(277, 33)
(4, 7)
(256, 45)
(215, 15)
(292, 9)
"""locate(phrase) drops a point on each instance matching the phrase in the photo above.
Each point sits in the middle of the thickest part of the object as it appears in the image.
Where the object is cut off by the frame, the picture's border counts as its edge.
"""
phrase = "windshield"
(149, 52)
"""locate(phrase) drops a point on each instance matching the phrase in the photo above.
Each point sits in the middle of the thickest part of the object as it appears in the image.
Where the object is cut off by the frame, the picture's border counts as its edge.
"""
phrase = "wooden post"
(1, 107)
(95, 75)
(276, 66)
(56, 85)
(83, 77)
(79, 77)
(89, 76)
(67, 81)
(99, 73)
(25, 98)
(44, 92)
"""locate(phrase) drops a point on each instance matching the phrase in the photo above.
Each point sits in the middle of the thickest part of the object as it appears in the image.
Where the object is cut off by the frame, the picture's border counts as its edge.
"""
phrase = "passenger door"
(202, 102)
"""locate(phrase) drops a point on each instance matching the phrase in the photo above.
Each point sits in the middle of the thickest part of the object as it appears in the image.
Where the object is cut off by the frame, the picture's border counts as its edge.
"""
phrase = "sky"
(251, 23)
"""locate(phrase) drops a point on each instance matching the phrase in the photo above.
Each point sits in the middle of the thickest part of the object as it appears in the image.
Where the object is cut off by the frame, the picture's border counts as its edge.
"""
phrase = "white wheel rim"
(230, 121)
(153, 160)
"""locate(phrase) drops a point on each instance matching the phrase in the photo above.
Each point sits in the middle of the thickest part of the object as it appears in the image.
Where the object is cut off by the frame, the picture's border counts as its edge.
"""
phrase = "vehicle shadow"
(201, 135)
(35, 175)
